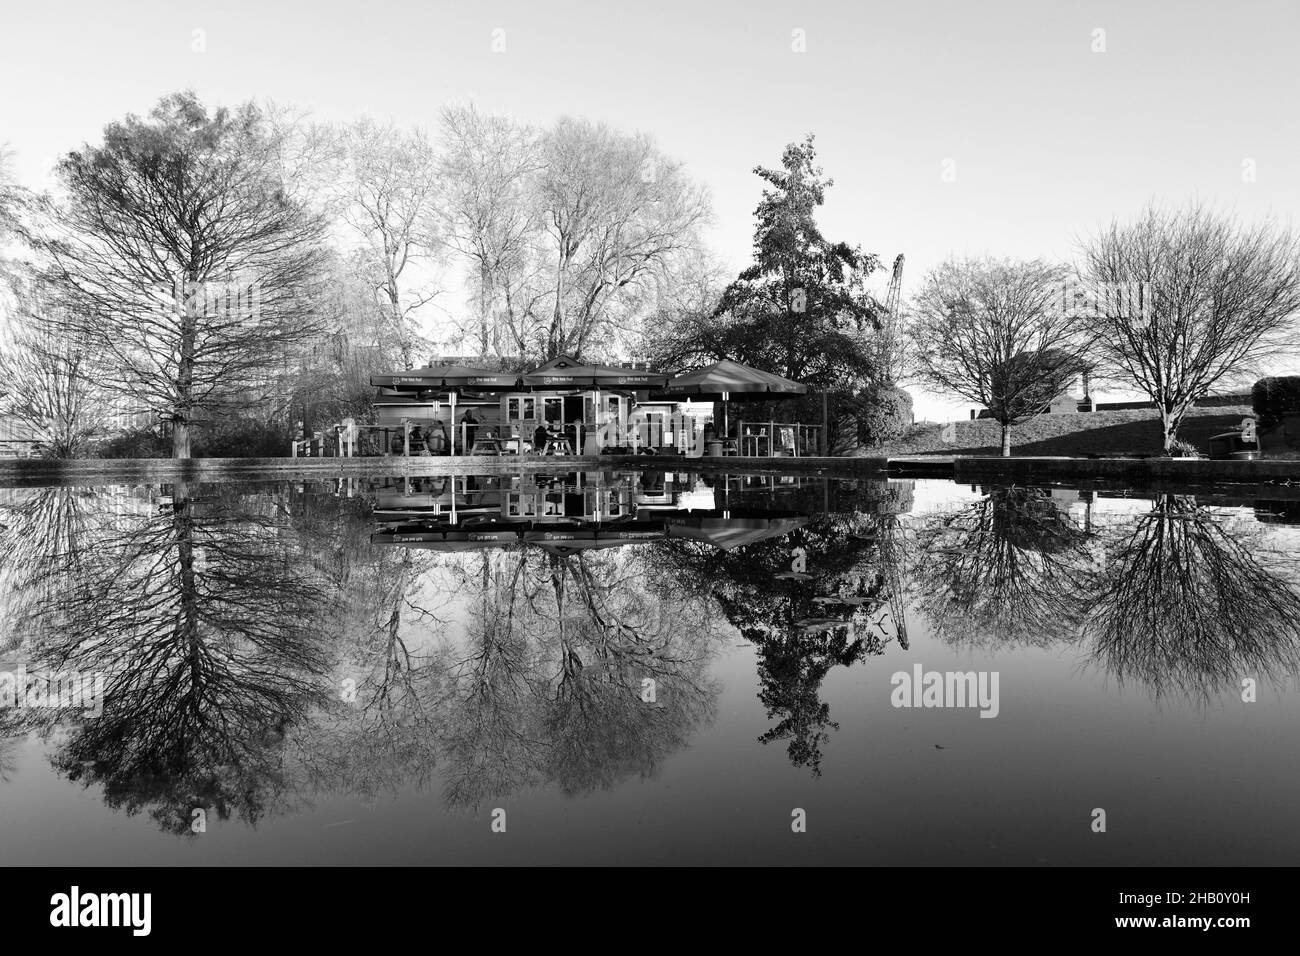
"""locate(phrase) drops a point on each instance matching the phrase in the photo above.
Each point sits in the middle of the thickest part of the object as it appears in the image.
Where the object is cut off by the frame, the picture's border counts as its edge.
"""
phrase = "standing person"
(437, 438)
(540, 437)
(348, 436)
(469, 428)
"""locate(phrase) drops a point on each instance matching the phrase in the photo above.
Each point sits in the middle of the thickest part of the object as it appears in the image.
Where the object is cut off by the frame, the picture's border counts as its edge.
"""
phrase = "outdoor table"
(558, 445)
(486, 446)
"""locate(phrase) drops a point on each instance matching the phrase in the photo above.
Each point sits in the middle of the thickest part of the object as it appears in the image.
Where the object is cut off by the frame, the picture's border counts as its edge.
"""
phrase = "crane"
(895, 288)
(890, 340)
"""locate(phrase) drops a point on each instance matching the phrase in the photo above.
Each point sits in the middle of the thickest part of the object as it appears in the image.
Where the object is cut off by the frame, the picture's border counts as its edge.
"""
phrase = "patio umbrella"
(729, 381)
(447, 377)
(565, 372)
(563, 542)
(436, 540)
(728, 533)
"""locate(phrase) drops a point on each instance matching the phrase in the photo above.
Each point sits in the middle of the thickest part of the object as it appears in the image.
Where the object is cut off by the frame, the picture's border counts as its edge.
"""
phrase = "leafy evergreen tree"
(801, 309)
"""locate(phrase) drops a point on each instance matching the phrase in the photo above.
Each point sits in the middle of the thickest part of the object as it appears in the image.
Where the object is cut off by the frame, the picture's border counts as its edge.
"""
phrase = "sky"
(949, 128)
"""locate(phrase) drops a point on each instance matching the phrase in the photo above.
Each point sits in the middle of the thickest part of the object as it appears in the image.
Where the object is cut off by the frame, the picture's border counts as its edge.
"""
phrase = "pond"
(647, 668)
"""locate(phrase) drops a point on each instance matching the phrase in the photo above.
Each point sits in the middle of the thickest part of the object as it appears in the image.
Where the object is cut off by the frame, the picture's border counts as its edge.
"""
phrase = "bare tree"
(570, 234)
(994, 332)
(487, 171)
(615, 213)
(47, 390)
(179, 262)
(683, 331)
(1190, 299)
(13, 200)
(383, 184)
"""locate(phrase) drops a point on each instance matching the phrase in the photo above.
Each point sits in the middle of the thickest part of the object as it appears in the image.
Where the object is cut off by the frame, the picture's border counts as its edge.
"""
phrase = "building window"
(521, 409)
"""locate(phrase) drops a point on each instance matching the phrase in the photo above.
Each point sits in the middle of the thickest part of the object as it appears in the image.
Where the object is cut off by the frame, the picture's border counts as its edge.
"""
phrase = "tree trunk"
(1006, 440)
(185, 371)
(404, 344)
(487, 333)
(180, 438)
(1169, 427)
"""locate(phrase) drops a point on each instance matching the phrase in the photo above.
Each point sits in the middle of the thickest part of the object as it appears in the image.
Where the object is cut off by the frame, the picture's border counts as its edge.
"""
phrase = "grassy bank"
(1092, 433)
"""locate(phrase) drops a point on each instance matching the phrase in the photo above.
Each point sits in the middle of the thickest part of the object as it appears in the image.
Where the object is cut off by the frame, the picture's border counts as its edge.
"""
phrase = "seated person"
(436, 440)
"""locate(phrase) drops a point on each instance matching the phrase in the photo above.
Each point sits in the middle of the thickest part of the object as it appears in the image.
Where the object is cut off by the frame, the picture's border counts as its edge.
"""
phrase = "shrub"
(1183, 449)
(1275, 397)
(241, 438)
(137, 443)
(884, 414)
(230, 438)
(875, 416)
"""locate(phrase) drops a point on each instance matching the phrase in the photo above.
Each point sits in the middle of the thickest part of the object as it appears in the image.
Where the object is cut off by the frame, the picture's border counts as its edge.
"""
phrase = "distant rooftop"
(517, 361)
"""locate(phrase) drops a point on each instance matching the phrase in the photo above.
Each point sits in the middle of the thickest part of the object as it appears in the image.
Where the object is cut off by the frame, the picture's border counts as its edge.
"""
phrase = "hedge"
(1275, 397)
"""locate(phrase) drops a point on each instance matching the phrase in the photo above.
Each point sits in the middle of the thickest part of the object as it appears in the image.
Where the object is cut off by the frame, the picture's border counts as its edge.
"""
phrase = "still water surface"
(647, 668)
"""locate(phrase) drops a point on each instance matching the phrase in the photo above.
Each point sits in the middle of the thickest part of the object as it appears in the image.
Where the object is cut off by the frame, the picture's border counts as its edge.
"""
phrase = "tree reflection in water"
(508, 666)
(1010, 568)
(842, 609)
(258, 649)
(550, 686)
(381, 728)
(208, 628)
(1175, 598)
(255, 647)
(1191, 605)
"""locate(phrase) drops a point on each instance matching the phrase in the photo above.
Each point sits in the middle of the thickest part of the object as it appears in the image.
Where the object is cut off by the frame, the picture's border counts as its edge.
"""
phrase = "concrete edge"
(36, 472)
(1133, 471)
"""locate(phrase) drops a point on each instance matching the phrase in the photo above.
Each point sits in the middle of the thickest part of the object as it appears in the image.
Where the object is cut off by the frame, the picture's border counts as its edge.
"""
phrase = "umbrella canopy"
(447, 377)
(392, 397)
(428, 539)
(565, 372)
(588, 539)
(728, 533)
(731, 379)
